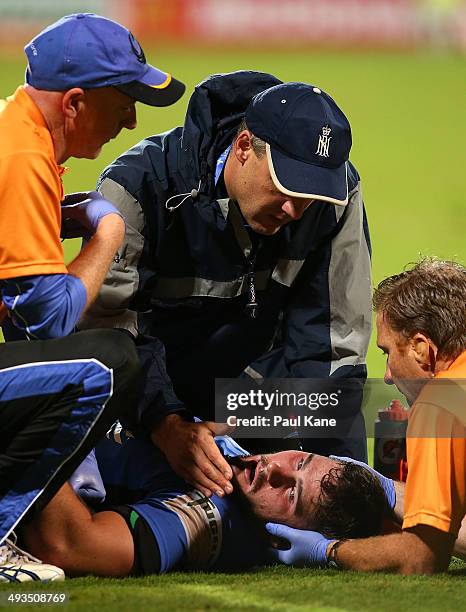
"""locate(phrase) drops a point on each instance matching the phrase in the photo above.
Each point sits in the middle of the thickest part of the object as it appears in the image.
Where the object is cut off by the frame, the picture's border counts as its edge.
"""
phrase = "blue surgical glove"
(387, 483)
(308, 548)
(87, 482)
(82, 213)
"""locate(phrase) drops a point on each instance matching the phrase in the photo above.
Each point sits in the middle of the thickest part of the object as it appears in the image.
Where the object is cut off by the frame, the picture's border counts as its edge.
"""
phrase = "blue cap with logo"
(90, 51)
(308, 140)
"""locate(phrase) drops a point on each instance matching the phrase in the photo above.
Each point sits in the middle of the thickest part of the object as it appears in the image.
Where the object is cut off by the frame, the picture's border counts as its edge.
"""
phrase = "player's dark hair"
(351, 504)
(429, 298)
(258, 145)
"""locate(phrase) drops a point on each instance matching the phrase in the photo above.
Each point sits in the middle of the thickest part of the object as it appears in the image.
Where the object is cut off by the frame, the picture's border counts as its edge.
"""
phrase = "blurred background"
(396, 67)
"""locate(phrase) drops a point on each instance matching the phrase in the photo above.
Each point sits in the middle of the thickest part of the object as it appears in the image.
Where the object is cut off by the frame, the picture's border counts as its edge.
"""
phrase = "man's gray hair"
(429, 298)
(258, 145)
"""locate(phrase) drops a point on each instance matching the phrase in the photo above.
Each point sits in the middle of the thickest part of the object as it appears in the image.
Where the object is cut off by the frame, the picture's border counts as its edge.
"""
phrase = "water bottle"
(390, 441)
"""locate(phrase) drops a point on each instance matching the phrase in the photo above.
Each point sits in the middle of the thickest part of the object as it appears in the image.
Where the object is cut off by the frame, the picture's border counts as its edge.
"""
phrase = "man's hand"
(192, 453)
(82, 213)
(306, 548)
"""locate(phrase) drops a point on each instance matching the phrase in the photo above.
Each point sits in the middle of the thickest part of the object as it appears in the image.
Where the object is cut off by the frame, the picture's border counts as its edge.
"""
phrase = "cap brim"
(301, 180)
(155, 88)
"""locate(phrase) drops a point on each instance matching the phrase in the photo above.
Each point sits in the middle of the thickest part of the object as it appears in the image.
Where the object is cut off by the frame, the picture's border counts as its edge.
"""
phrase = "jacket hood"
(214, 112)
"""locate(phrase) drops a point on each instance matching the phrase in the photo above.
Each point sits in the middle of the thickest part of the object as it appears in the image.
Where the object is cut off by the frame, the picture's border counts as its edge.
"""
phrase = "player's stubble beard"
(245, 502)
(261, 476)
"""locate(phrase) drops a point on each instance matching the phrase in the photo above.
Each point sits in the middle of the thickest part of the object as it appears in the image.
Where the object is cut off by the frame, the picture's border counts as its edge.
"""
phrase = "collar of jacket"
(214, 113)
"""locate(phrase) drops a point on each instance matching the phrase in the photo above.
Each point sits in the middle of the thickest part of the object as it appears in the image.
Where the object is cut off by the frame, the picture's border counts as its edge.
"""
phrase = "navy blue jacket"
(185, 276)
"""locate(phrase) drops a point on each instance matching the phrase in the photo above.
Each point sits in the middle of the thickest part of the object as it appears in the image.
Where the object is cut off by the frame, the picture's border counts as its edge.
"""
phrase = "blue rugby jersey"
(192, 531)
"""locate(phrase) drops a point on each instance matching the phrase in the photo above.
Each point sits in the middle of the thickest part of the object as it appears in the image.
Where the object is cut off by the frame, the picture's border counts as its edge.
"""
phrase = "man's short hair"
(351, 504)
(429, 298)
(258, 145)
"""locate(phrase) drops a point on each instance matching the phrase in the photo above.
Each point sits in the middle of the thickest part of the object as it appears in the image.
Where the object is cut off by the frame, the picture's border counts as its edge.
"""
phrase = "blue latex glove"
(87, 482)
(308, 548)
(387, 483)
(82, 213)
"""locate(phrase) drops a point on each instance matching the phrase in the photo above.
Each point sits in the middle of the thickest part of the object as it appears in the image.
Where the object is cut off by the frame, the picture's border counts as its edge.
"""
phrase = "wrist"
(111, 221)
(332, 554)
(162, 429)
(111, 231)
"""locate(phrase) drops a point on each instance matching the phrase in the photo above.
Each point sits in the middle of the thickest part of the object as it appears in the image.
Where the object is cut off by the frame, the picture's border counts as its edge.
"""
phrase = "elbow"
(426, 550)
(52, 333)
(54, 324)
(423, 564)
(47, 547)
(55, 554)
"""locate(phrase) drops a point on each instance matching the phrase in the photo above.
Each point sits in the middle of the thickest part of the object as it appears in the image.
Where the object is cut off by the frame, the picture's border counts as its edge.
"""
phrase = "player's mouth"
(256, 473)
(251, 472)
(248, 472)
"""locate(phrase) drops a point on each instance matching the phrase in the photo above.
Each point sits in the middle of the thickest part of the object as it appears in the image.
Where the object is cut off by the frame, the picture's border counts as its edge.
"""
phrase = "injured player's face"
(309, 491)
(283, 487)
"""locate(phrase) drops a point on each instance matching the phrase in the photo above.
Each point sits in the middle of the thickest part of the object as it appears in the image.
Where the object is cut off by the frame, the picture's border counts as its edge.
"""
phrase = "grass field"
(274, 589)
(407, 116)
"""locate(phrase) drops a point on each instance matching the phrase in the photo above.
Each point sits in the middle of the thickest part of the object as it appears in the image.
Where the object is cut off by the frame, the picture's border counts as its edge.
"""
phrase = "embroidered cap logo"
(324, 142)
(137, 49)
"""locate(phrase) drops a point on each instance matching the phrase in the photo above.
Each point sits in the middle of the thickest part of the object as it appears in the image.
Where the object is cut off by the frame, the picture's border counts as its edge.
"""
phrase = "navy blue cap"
(308, 141)
(89, 51)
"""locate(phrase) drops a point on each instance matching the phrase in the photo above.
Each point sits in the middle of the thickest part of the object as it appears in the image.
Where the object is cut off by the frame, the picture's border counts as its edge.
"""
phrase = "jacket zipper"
(252, 305)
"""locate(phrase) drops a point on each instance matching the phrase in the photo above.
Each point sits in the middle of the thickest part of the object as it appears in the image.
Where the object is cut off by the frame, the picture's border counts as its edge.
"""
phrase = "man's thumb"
(275, 529)
(219, 429)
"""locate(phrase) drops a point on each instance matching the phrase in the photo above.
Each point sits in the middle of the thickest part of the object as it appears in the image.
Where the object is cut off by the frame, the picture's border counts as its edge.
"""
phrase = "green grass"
(407, 116)
(277, 589)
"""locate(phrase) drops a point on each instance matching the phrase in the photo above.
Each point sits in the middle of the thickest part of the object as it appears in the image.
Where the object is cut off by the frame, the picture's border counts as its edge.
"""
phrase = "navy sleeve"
(44, 306)
(158, 399)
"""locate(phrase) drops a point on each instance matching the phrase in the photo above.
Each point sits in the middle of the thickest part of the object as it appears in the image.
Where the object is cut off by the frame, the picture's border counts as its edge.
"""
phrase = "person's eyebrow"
(299, 485)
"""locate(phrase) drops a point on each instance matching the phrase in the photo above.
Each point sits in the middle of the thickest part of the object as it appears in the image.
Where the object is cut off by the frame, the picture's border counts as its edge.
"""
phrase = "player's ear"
(424, 351)
(242, 146)
(73, 102)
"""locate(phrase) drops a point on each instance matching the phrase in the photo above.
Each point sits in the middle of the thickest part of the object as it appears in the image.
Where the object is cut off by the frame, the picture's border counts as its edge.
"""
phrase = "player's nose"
(279, 476)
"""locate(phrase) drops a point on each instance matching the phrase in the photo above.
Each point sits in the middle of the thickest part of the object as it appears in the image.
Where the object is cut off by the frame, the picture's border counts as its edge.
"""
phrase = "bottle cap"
(395, 412)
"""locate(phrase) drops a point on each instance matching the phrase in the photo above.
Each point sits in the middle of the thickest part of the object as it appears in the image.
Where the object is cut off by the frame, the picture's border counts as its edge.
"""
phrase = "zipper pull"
(251, 306)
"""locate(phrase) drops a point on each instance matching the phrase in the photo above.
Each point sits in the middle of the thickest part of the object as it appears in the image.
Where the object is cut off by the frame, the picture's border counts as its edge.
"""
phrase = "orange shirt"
(30, 192)
(436, 449)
